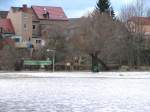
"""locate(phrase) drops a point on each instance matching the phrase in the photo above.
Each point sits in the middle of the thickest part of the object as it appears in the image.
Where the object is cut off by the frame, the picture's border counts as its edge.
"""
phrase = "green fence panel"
(37, 62)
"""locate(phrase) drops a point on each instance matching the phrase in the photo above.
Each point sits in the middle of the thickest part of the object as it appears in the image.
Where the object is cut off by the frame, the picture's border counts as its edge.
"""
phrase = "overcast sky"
(72, 8)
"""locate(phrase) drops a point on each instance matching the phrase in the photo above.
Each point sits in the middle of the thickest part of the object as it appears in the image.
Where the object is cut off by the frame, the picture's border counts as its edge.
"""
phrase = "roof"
(3, 14)
(16, 8)
(20, 9)
(26, 10)
(143, 20)
(55, 13)
(6, 25)
(34, 17)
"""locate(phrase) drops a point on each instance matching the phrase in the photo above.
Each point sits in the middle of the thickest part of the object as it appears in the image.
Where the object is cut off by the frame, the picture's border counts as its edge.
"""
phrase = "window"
(17, 40)
(38, 41)
(33, 27)
(25, 26)
(25, 16)
(1, 30)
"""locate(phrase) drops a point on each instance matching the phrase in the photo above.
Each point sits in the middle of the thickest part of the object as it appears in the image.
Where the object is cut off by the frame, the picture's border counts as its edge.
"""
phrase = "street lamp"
(50, 50)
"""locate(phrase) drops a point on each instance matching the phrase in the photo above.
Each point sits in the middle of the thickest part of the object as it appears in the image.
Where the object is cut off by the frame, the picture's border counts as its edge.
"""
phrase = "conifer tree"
(105, 6)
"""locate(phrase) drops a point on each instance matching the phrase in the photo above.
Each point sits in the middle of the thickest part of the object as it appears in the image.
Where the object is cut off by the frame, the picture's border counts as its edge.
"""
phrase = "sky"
(72, 8)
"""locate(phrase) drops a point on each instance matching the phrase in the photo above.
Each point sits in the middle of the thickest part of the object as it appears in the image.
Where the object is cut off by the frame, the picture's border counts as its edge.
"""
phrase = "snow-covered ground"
(75, 92)
(75, 74)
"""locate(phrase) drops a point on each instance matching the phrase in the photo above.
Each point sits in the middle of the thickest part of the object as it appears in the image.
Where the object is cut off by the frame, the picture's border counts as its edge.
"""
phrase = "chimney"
(45, 11)
(24, 7)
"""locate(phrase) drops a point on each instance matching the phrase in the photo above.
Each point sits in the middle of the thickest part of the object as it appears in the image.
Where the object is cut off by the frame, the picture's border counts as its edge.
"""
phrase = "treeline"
(99, 40)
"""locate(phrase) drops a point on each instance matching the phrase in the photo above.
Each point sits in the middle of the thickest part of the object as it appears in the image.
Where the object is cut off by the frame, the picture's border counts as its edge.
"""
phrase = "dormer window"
(45, 10)
(46, 13)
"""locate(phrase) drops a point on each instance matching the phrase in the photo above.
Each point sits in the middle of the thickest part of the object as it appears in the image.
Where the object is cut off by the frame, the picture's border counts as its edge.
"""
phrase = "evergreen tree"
(112, 12)
(105, 6)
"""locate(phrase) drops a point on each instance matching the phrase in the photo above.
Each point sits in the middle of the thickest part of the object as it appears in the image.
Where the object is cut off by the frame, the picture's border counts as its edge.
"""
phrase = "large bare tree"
(97, 34)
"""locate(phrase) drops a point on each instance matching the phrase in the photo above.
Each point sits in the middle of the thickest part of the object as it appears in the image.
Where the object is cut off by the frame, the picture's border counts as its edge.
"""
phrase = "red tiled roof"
(55, 13)
(6, 25)
(143, 20)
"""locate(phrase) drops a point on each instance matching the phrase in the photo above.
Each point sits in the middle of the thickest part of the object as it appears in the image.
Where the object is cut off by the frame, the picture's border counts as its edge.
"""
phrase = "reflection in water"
(74, 95)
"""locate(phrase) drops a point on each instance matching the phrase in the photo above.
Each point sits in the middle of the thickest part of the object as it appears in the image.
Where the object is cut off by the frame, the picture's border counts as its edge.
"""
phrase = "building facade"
(139, 24)
(141, 27)
(3, 14)
(22, 23)
(30, 23)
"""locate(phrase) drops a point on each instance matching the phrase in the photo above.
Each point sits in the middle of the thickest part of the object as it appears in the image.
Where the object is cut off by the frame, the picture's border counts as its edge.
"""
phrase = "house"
(3, 14)
(140, 24)
(45, 18)
(6, 33)
(6, 28)
(29, 23)
(22, 23)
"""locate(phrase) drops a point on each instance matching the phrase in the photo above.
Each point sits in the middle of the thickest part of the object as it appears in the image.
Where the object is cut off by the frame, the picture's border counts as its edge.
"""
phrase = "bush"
(124, 68)
(7, 58)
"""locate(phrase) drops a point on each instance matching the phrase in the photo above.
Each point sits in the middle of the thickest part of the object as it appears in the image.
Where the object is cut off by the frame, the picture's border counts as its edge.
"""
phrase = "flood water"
(74, 95)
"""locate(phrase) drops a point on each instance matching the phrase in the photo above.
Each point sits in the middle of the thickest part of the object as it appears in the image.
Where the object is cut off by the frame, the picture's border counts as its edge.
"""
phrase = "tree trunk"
(94, 63)
(97, 64)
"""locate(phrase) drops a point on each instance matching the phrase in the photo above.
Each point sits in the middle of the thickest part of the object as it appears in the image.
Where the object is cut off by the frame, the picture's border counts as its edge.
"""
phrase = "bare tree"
(132, 16)
(97, 34)
(148, 13)
(8, 57)
(55, 38)
(136, 9)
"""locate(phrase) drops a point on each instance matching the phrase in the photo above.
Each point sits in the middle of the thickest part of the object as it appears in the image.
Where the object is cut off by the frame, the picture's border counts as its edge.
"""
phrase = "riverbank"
(33, 74)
